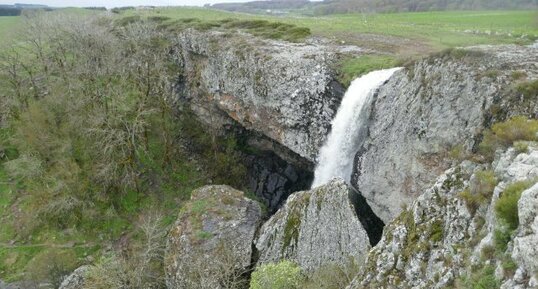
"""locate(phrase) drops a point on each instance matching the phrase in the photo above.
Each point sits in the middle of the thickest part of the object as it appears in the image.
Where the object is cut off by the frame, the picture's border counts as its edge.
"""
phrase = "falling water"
(348, 128)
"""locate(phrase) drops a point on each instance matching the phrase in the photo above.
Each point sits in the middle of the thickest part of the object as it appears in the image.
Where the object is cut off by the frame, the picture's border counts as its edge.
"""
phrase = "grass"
(350, 68)
(506, 206)
(7, 25)
(431, 31)
(400, 37)
(505, 134)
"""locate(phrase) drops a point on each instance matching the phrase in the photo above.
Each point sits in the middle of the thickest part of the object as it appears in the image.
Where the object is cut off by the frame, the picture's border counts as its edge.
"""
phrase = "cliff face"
(442, 239)
(284, 91)
(436, 107)
(287, 94)
(423, 122)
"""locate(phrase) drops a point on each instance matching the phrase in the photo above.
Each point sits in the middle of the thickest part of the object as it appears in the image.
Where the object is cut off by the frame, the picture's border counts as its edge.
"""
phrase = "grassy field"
(7, 25)
(402, 33)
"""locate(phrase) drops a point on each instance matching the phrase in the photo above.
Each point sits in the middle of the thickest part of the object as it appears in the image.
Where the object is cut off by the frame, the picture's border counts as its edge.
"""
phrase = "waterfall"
(335, 158)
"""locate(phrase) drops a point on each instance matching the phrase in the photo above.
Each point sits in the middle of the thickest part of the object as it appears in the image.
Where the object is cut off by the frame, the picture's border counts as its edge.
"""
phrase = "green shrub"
(436, 233)
(485, 279)
(529, 90)
(332, 276)
(506, 206)
(501, 237)
(483, 184)
(504, 134)
(521, 147)
(480, 191)
(282, 275)
(52, 265)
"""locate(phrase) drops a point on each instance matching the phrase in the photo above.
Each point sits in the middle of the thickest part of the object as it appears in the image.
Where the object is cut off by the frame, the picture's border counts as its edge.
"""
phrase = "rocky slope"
(442, 240)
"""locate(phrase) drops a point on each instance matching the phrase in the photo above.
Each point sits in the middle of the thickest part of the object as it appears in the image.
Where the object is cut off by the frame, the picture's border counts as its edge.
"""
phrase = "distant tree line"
(6, 10)
(349, 6)
(16, 9)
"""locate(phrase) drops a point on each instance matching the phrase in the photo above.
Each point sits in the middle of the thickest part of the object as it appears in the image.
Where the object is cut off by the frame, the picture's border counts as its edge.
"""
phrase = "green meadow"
(427, 31)
(7, 27)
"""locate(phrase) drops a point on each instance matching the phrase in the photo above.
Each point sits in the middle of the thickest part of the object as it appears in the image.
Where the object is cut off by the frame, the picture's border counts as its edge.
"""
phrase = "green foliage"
(487, 253)
(436, 233)
(521, 147)
(506, 206)
(480, 278)
(502, 237)
(283, 275)
(529, 90)
(332, 276)
(504, 134)
(351, 68)
(480, 191)
(52, 265)
(261, 28)
(485, 279)
(292, 228)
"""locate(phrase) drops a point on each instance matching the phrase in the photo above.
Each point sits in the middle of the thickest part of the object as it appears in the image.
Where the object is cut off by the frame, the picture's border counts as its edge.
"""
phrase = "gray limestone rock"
(432, 243)
(286, 91)
(76, 279)
(211, 242)
(315, 228)
(425, 111)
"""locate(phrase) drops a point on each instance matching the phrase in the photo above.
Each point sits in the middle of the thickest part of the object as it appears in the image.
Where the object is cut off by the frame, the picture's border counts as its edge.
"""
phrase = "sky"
(119, 3)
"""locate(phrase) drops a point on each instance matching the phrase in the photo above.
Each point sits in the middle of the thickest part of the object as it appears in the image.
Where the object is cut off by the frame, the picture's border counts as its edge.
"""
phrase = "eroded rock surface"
(286, 91)
(442, 239)
(315, 228)
(211, 242)
(439, 105)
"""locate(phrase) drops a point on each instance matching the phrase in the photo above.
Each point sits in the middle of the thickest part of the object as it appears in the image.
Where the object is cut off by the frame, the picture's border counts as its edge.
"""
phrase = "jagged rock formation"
(423, 112)
(315, 228)
(441, 238)
(76, 279)
(283, 90)
(211, 242)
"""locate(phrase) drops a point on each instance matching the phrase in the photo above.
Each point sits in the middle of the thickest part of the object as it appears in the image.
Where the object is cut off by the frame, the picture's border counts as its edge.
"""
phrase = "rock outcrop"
(76, 279)
(211, 242)
(439, 105)
(443, 238)
(315, 228)
(285, 91)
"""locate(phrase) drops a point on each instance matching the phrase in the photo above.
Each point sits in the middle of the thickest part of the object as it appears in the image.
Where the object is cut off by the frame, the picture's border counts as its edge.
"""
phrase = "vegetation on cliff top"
(91, 142)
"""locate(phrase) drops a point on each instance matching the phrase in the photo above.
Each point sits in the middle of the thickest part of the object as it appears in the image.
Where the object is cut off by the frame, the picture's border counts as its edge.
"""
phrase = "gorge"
(143, 151)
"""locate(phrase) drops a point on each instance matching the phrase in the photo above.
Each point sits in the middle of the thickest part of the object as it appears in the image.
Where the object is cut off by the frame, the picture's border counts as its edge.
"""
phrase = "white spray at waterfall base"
(348, 131)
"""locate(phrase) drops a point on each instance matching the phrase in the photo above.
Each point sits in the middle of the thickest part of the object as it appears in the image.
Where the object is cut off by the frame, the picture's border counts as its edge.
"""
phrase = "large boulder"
(315, 228)
(210, 245)
(76, 279)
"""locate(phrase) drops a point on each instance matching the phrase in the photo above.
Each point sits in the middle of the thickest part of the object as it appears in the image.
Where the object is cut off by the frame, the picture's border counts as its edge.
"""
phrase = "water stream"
(348, 128)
